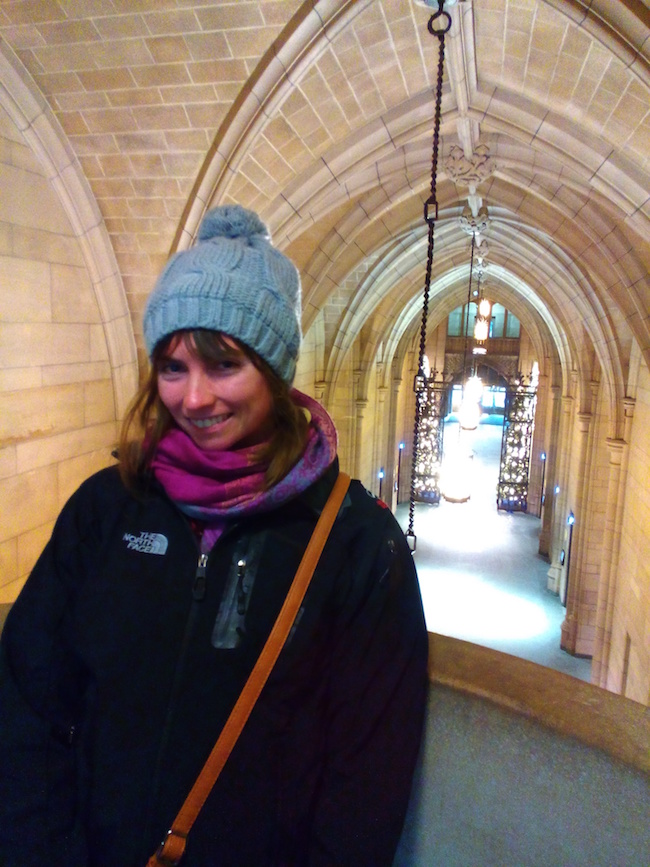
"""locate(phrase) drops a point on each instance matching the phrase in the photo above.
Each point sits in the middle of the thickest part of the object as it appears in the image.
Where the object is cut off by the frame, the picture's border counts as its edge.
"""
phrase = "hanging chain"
(430, 216)
(469, 301)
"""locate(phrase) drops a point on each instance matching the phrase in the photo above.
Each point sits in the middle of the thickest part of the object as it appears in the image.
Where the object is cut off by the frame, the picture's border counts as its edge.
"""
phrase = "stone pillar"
(381, 439)
(550, 470)
(618, 457)
(392, 452)
(558, 455)
(573, 568)
(360, 405)
(537, 447)
(320, 388)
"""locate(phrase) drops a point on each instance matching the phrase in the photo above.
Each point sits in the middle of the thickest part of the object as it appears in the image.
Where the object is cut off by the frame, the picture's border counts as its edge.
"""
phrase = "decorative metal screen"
(426, 472)
(516, 444)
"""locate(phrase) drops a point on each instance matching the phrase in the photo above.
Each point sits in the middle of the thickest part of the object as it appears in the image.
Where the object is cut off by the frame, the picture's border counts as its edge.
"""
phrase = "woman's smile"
(208, 422)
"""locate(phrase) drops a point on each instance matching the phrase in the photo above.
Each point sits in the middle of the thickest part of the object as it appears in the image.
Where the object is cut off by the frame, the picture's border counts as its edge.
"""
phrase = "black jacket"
(122, 658)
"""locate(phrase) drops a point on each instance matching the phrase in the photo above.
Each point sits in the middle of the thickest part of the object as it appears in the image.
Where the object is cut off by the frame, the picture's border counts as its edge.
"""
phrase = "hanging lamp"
(438, 26)
(472, 386)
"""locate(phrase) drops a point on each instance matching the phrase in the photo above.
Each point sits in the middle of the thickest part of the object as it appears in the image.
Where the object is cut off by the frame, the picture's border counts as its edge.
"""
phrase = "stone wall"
(57, 418)
(629, 661)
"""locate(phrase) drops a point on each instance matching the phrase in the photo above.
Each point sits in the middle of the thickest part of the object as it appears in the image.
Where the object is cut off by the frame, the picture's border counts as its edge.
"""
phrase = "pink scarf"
(216, 486)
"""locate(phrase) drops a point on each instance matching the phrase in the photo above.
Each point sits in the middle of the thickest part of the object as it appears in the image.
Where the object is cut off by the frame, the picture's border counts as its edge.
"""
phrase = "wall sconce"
(571, 519)
(401, 448)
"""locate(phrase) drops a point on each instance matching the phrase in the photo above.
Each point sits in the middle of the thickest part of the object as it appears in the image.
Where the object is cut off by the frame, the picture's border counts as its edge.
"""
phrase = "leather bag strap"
(172, 847)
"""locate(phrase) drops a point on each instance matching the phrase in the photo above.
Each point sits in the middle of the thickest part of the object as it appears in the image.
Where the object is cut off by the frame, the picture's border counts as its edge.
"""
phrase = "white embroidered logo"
(146, 543)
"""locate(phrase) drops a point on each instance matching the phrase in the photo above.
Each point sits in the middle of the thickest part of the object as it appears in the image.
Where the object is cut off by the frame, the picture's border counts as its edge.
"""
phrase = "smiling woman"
(143, 619)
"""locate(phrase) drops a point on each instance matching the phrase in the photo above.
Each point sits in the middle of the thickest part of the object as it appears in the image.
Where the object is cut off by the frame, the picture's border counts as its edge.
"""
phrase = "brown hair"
(148, 419)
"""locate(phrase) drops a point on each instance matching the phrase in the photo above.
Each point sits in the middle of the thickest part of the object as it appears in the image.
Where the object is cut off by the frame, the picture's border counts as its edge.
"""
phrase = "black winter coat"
(122, 658)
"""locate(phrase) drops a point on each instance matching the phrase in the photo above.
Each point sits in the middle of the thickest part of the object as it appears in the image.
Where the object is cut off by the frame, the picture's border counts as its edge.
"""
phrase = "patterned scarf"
(215, 487)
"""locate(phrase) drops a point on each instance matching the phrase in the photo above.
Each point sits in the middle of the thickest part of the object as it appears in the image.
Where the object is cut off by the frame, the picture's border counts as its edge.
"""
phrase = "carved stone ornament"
(471, 171)
(474, 224)
(481, 251)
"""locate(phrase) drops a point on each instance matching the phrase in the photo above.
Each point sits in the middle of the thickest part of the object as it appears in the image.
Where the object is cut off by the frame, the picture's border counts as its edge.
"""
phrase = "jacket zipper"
(198, 595)
(241, 589)
(198, 587)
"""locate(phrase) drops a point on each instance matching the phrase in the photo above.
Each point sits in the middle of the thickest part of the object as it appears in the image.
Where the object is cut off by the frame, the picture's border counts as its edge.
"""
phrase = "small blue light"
(380, 474)
(542, 457)
(557, 489)
(571, 519)
(401, 446)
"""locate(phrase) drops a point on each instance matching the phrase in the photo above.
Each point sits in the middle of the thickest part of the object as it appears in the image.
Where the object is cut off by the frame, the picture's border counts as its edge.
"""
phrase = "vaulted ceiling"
(319, 115)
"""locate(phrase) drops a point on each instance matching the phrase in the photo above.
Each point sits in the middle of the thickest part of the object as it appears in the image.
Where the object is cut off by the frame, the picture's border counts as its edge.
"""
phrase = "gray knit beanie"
(234, 281)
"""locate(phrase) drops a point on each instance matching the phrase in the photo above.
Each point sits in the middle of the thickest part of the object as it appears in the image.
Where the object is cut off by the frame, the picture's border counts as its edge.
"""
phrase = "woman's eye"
(226, 365)
(169, 367)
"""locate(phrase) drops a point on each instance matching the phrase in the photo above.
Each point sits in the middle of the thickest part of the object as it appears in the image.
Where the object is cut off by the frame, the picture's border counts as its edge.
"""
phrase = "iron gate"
(432, 399)
(516, 445)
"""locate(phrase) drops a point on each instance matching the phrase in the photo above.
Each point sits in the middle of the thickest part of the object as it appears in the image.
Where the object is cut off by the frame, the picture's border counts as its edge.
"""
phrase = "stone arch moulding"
(23, 102)
(307, 34)
(440, 286)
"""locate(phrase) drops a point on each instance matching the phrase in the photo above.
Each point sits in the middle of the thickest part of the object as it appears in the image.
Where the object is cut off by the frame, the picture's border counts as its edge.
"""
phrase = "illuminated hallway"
(482, 579)
(120, 124)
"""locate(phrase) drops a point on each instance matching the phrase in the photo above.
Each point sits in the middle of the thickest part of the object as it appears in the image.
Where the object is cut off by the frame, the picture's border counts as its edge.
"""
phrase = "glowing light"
(456, 475)
(469, 415)
(473, 389)
(481, 329)
(484, 308)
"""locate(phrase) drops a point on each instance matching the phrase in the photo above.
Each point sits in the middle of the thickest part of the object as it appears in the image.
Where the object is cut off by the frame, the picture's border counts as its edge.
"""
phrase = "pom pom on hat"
(231, 222)
(232, 280)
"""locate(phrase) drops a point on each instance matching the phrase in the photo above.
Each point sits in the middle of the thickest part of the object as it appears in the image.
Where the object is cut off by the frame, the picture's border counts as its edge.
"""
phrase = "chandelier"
(482, 324)
(470, 412)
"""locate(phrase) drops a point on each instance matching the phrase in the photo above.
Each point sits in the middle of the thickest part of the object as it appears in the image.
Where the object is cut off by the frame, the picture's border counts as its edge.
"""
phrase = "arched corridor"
(121, 123)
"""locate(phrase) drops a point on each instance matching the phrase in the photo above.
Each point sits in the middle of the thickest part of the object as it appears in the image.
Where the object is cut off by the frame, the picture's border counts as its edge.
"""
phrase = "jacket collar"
(315, 497)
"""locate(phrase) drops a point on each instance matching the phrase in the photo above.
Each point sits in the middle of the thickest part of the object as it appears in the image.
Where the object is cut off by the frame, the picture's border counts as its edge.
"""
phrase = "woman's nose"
(198, 392)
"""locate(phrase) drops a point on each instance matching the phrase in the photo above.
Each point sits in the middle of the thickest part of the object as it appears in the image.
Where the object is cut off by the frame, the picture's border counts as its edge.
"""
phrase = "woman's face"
(220, 404)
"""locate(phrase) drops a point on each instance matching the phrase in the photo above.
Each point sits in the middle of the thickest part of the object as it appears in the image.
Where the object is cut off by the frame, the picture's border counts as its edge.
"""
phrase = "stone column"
(618, 457)
(320, 388)
(559, 454)
(360, 405)
(390, 494)
(550, 472)
(381, 438)
(573, 568)
(537, 447)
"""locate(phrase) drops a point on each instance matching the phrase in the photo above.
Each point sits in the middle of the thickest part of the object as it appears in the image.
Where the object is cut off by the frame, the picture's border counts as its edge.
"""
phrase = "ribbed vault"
(318, 114)
(321, 120)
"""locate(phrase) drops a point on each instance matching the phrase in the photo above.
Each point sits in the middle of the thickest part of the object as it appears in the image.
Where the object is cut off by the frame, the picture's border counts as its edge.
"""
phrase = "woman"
(136, 631)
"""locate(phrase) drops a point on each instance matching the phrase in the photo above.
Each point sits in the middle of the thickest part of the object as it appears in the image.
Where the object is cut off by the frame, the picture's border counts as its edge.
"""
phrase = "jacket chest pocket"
(230, 625)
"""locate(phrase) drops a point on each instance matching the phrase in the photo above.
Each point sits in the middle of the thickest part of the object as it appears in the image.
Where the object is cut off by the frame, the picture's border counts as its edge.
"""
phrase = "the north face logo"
(146, 543)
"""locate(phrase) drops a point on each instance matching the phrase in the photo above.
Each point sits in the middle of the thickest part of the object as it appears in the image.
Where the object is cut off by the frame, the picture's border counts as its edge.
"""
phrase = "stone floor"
(481, 577)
